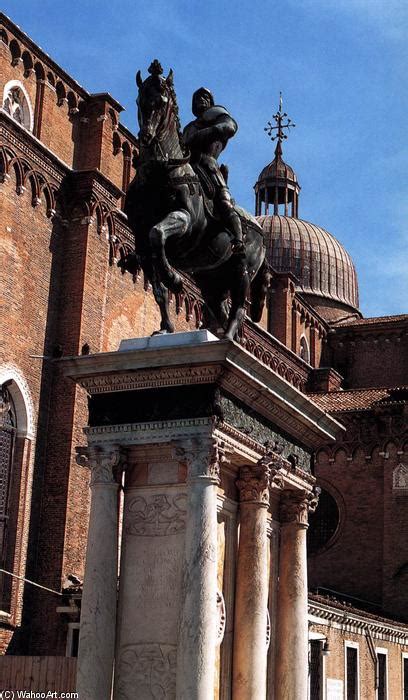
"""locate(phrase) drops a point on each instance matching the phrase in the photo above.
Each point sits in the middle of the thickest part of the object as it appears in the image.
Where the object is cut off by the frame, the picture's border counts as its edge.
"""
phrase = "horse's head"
(154, 102)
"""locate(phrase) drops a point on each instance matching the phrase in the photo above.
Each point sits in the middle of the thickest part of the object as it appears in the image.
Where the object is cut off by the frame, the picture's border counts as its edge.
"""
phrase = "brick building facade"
(65, 164)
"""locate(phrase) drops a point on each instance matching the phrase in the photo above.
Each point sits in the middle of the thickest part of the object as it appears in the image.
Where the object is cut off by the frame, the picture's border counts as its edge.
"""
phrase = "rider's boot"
(237, 242)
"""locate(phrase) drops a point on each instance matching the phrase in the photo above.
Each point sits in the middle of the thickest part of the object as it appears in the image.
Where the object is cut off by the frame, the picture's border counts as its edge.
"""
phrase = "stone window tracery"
(8, 431)
(17, 104)
(304, 349)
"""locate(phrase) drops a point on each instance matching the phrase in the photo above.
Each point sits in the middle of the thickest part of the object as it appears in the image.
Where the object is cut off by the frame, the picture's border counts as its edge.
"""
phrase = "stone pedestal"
(176, 405)
(98, 610)
(250, 645)
(292, 669)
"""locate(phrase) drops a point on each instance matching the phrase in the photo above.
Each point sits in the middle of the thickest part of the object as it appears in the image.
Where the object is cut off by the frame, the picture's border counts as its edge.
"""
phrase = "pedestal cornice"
(224, 363)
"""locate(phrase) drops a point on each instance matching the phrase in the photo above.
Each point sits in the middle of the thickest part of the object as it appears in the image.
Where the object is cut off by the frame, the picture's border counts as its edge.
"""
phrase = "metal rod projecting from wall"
(32, 583)
(374, 658)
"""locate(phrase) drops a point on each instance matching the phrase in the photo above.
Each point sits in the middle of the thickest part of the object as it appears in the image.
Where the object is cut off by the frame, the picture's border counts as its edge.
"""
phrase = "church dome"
(319, 262)
(324, 270)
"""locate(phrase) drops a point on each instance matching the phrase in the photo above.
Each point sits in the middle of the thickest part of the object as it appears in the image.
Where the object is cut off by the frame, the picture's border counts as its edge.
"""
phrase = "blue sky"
(342, 68)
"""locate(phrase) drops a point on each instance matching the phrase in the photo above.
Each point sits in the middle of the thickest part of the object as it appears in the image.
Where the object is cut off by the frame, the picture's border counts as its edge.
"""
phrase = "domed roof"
(278, 170)
(320, 263)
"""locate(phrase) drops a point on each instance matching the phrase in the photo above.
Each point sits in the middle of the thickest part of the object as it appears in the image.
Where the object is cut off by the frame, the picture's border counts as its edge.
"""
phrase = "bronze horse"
(173, 228)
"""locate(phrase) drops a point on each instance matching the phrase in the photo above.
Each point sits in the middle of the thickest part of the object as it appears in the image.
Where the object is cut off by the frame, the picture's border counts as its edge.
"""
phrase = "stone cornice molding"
(150, 432)
(296, 505)
(241, 375)
(352, 622)
(151, 379)
(204, 458)
(106, 463)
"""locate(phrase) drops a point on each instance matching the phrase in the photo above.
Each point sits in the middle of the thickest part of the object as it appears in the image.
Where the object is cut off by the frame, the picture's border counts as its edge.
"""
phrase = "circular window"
(323, 523)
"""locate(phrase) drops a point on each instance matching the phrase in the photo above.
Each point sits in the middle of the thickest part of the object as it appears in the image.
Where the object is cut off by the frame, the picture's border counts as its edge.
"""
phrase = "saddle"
(208, 191)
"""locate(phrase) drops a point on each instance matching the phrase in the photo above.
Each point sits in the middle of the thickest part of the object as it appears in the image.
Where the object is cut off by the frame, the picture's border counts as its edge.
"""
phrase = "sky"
(341, 66)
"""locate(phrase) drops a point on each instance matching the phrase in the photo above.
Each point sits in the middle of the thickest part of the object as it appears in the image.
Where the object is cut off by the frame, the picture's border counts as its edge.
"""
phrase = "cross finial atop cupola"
(277, 184)
(280, 135)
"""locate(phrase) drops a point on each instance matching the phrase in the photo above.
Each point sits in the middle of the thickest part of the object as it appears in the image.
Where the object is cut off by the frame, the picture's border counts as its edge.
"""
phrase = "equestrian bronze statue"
(181, 212)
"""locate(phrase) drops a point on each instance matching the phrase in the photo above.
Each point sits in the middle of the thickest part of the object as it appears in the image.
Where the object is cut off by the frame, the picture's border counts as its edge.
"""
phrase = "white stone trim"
(18, 84)
(383, 650)
(22, 398)
(71, 627)
(348, 643)
(404, 681)
(304, 343)
(351, 623)
(319, 637)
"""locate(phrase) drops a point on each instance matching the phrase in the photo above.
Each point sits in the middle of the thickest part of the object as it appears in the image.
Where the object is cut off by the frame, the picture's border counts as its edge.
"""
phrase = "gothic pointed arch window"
(8, 432)
(304, 350)
(16, 103)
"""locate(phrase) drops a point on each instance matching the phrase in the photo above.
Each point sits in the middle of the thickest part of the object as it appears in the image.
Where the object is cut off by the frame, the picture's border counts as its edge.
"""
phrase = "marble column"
(198, 620)
(99, 598)
(291, 679)
(251, 601)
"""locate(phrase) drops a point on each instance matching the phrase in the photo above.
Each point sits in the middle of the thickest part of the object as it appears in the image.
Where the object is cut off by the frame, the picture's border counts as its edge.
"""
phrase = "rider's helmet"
(201, 92)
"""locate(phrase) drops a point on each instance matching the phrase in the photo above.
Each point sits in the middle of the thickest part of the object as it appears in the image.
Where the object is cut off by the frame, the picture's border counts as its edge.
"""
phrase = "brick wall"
(375, 357)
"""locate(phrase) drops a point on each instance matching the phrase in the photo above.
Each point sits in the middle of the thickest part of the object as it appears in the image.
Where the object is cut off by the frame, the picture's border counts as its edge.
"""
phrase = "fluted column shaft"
(197, 635)
(291, 680)
(99, 598)
(250, 628)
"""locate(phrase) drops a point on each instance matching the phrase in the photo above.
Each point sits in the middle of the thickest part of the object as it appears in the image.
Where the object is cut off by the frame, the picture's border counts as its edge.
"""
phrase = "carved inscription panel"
(150, 592)
(147, 671)
(155, 515)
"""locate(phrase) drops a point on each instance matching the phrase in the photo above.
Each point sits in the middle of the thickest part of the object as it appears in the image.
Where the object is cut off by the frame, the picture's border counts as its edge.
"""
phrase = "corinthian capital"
(106, 463)
(254, 482)
(204, 457)
(295, 506)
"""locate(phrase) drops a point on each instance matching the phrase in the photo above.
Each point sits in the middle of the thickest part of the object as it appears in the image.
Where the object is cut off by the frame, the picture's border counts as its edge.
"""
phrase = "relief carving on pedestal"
(156, 515)
(147, 671)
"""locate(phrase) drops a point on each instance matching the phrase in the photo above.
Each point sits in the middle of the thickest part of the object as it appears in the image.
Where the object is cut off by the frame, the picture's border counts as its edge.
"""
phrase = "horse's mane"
(173, 96)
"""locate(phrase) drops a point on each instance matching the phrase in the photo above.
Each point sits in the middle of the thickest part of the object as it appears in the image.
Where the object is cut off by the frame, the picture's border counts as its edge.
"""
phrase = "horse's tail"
(259, 288)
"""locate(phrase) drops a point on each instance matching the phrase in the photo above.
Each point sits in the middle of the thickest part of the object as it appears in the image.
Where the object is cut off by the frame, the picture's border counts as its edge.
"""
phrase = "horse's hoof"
(161, 332)
(229, 336)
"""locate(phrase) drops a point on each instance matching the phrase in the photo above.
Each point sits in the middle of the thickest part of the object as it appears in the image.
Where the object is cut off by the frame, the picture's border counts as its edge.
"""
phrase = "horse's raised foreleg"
(239, 290)
(177, 223)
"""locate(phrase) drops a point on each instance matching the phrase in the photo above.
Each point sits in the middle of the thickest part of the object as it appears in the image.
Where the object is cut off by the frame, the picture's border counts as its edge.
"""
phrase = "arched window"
(17, 103)
(8, 431)
(304, 351)
(17, 429)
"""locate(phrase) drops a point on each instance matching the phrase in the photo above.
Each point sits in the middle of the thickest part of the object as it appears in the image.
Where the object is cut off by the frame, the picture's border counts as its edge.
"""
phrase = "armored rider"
(206, 137)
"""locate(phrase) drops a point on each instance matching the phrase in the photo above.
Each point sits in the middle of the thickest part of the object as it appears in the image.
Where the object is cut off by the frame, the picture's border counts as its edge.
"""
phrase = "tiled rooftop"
(355, 400)
(371, 321)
